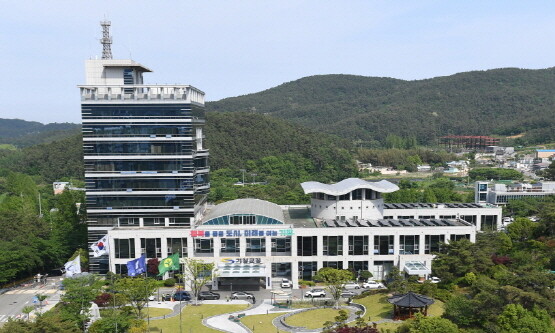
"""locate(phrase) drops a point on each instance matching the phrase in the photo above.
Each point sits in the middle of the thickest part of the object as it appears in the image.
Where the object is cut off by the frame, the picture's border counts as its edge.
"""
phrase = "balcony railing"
(142, 93)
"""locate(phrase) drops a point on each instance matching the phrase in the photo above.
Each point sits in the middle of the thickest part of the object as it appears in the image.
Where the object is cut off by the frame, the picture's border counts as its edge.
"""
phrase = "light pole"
(243, 171)
(253, 177)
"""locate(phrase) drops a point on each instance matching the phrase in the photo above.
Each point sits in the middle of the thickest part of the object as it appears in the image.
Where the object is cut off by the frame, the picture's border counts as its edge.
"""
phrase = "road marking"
(2, 318)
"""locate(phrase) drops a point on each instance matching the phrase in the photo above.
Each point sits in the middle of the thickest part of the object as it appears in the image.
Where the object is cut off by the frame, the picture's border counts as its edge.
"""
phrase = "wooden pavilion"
(406, 305)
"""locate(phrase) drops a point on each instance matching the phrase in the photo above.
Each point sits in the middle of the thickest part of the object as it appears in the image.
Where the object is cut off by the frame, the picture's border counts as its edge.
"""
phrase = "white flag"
(100, 247)
(73, 267)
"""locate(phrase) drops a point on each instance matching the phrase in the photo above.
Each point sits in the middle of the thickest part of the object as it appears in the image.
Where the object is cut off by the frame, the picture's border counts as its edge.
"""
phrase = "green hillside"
(22, 133)
(505, 101)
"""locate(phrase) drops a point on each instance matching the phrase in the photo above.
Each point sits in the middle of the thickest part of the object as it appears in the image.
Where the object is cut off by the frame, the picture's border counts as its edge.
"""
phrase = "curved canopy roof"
(347, 185)
(246, 206)
(410, 300)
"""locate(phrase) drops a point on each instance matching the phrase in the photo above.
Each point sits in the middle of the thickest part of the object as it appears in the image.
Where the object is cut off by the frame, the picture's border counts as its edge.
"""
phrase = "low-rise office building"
(501, 194)
(255, 243)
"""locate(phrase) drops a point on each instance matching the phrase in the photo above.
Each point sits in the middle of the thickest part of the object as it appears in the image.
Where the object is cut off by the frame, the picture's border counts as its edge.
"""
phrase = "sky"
(232, 48)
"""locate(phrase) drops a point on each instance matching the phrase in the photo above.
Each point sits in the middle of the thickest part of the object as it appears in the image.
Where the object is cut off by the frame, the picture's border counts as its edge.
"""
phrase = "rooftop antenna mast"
(106, 40)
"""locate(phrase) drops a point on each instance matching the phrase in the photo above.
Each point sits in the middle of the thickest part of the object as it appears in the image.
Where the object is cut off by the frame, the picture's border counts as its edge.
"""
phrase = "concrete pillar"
(217, 243)
(295, 274)
(421, 244)
(268, 246)
(242, 247)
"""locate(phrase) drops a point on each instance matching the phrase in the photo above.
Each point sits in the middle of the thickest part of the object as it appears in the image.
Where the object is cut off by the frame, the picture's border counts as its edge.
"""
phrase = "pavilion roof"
(410, 300)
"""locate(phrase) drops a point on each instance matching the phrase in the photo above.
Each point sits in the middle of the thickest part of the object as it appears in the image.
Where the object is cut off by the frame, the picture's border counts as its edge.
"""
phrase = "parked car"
(433, 279)
(316, 293)
(167, 297)
(182, 296)
(347, 293)
(151, 298)
(351, 285)
(285, 283)
(203, 295)
(241, 295)
(371, 284)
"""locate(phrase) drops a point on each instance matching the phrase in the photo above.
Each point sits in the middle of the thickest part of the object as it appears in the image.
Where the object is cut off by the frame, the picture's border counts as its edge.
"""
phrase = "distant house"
(545, 153)
(59, 187)
(424, 168)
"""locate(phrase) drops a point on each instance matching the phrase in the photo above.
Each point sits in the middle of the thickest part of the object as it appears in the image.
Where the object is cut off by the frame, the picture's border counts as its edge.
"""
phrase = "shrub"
(307, 283)
(443, 295)
(169, 282)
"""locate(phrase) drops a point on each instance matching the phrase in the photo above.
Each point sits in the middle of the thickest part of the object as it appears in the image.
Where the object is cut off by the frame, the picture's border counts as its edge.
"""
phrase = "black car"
(182, 296)
(208, 295)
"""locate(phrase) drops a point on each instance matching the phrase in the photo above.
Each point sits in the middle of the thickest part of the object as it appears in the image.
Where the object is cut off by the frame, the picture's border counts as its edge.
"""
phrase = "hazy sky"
(231, 48)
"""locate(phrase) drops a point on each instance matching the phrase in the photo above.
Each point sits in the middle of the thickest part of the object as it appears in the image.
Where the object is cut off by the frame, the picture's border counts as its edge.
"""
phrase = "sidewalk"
(222, 323)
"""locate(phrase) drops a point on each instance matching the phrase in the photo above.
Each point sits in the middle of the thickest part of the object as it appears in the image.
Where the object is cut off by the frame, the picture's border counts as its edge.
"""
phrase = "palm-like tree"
(27, 310)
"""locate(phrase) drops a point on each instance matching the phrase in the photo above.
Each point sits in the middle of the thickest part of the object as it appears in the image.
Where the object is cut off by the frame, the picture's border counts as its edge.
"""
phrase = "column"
(422, 244)
(396, 244)
(217, 243)
(268, 246)
(242, 247)
(295, 274)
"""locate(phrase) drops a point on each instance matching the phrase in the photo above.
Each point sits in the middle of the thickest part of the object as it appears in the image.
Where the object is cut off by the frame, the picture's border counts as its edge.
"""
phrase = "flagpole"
(147, 305)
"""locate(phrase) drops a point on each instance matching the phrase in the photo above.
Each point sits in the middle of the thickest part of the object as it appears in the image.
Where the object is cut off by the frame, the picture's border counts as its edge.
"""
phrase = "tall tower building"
(145, 163)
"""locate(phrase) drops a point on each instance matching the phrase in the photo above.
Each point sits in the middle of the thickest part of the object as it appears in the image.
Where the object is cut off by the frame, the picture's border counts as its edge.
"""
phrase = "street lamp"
(253, 177)
(243, 171)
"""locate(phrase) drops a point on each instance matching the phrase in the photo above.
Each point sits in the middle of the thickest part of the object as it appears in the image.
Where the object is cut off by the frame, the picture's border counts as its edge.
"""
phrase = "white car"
(373, 285)
(285, 283)
(435, 279)
(351, 285)
(315, 293)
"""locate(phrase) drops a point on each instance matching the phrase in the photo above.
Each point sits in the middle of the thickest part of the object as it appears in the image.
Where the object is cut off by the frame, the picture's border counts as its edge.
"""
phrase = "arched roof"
(246, 206)
(348, 185)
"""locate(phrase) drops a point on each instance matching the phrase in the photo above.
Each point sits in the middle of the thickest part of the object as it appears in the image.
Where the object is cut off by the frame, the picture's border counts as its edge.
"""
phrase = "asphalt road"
(13, 300)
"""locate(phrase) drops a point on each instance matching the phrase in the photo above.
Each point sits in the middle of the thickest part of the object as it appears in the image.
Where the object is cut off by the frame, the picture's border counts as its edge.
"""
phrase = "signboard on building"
(241, 233)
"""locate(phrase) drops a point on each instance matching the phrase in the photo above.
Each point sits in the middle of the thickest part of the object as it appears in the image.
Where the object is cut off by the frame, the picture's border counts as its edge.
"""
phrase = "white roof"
(246, 206)
(347, 185)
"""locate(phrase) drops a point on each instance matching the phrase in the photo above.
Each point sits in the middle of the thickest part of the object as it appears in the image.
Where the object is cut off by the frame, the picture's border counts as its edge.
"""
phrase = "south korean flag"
(100, 247)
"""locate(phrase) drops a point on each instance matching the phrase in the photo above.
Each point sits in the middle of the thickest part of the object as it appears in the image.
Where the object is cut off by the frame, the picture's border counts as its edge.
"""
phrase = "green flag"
(171, 263)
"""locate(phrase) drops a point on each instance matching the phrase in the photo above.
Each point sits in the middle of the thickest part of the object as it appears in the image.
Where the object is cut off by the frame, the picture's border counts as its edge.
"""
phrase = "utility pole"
(243, 171)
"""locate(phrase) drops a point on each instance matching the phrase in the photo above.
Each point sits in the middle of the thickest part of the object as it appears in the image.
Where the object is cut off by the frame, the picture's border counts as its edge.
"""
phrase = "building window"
(204, 245)
(124, 248)
(459, 237)
(154, 221)
(230, 245)
(345, 196)
(242, 219)
(383, 245)
(409, 244)
(151, 247)
(357, 194)
(307, 269)
(469, 218)
(333, 264)
(488, 222)
(448, 217)
(483, 196)
(333, 245)
(358, 245)
(357, 266)
(121, 269)
(256, 245)
(281, 246)
(433, 243)
(426, 217)
(177, 245)
(129, 221)
(406, 217)
(307, 246)
(482, 187)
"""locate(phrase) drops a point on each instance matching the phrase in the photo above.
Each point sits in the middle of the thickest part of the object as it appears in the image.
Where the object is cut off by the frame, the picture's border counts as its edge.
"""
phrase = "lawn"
(262, 323)
(378, 308)
(157, 312)
(312, 319)
(192, 316)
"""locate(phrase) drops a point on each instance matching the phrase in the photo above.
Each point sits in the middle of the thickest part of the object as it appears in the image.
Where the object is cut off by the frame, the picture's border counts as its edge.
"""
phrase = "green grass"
(312, 319)
(157, 312)
(7, 146)
(262, 323)
(192, 316)
(378, 308)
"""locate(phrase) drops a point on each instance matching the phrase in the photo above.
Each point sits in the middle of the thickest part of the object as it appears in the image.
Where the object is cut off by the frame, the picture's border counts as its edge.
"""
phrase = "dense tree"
(334, 280)
(516, 319)
(421, 324)
(197, 273)
(136, 291)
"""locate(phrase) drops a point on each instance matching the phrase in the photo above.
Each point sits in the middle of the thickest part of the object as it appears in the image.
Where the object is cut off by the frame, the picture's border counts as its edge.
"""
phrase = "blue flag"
(136, 266)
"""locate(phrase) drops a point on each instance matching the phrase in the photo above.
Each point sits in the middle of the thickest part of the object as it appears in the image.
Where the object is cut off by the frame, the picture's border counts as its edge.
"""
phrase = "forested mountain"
(22, 133)
(505, 101)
